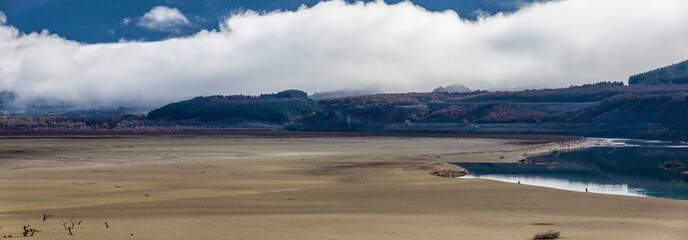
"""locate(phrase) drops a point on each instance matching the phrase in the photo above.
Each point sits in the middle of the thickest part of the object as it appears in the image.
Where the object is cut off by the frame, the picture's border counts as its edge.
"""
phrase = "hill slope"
(596, 110)
(672, 74)
(599, 110)
(279, 107)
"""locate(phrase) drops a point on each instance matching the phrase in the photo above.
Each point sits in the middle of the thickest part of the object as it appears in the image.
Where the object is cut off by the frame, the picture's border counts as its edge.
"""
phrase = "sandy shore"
(253, 187)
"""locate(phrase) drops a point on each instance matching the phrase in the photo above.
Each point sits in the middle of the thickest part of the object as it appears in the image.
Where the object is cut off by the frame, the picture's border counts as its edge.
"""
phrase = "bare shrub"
(70, 223)
(547, 235)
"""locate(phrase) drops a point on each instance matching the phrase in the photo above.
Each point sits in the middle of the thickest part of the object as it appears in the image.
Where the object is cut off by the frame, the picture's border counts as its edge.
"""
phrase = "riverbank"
(249, 187)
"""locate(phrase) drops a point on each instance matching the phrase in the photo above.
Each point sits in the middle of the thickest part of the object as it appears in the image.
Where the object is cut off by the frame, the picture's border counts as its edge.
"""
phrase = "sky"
(332, 45)
(100, 21)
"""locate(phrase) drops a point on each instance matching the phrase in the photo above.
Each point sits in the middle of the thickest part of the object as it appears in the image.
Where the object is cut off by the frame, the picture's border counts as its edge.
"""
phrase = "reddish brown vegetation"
(600, 110)
(392, 99)
(505, 113)
(71, 123)
(454, 112)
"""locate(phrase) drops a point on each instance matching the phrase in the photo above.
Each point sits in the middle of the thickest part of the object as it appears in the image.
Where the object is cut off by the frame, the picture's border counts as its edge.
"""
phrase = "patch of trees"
(586, 93)
(56, 123)
(343, 93)
(499, 112)
(391, 99)
(672, 74)
(508, 113)
(287, 94)
(279, 107)
(68, 123)
(451, 112)
(634, 109)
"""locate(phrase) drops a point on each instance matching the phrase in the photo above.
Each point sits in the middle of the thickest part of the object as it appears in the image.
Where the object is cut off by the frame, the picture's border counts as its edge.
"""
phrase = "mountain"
(672, 74)
(452, 88)
(608, 109)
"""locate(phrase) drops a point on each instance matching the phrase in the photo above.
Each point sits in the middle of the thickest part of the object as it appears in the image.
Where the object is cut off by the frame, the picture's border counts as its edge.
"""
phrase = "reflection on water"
(616, 189)
(634, 168)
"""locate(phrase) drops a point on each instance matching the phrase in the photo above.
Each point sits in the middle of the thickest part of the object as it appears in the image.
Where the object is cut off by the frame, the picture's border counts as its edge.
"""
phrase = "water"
(631, 168)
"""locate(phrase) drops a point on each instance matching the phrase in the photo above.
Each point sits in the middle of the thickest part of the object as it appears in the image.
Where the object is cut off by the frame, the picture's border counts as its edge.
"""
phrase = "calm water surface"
(633, 168)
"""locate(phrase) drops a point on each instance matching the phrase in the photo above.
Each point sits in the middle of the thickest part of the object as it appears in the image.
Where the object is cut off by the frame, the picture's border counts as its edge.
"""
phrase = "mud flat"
(196, 186)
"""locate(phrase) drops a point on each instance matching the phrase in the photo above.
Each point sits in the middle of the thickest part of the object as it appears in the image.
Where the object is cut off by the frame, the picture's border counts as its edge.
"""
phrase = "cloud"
(125, 21)
(162, 18)
(335, 45)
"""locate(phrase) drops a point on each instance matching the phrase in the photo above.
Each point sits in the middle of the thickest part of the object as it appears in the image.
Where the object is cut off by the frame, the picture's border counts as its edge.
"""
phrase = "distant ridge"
(672, 74)
(280, 107)
(605, 109)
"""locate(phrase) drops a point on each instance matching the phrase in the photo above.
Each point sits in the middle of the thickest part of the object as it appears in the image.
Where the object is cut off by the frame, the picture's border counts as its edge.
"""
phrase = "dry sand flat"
(234, 187)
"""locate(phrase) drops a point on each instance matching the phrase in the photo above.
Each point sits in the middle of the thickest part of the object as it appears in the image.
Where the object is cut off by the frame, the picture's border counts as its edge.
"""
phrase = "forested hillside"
(672, 74)
(605, 109)
(595, 110)
(279, 107)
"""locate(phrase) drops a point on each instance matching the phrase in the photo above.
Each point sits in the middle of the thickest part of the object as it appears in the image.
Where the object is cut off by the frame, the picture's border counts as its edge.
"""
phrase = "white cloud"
(335, 45)
(162, 18)
(125, 21)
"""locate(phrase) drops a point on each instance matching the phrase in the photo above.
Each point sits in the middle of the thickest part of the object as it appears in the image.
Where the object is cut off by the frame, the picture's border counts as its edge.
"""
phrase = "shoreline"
(364, 188)
(536, 148)
(619, 189)
(455, 170)
(565, 146)
(532, 144)
(268, 133)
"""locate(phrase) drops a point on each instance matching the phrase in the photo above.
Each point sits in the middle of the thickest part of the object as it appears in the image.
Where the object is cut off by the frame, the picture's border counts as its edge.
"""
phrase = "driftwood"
(449, 173)
(28, 230)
